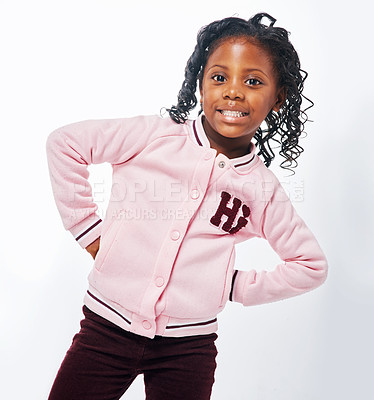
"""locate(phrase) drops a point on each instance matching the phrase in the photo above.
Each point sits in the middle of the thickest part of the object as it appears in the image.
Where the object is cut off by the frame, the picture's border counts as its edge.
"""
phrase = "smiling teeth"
(235, 114)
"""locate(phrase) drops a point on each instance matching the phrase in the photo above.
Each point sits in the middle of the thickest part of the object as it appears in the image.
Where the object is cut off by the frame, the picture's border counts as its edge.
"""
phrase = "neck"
(230, 147)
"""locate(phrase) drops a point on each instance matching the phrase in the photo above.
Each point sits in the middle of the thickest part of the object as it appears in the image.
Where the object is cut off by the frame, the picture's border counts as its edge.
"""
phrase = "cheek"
(210, 96)
(263, 104)
(206, 99)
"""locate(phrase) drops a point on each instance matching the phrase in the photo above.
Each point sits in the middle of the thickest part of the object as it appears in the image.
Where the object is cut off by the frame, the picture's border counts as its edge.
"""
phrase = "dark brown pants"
(104, 360)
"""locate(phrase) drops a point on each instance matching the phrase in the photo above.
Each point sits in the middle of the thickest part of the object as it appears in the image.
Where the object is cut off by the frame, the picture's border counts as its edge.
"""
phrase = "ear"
(200, 78)
(281, 98)
(201, 94)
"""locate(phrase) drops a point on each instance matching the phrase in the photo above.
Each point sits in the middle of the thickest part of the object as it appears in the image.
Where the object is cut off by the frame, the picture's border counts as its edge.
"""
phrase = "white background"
(64, 61)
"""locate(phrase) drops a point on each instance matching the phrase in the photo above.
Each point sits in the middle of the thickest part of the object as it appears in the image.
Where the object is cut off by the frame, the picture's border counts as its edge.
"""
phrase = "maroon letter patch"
(231, 214)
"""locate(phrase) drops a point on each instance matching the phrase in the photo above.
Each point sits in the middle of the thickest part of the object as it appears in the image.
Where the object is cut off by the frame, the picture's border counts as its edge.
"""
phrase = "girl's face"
(238, 90)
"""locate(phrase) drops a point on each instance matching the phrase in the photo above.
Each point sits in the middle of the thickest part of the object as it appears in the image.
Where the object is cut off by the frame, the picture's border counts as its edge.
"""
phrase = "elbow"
(52, 140)
(324, 271)
(309, 275)
(51, 143)
(320, 273)
(56, 144)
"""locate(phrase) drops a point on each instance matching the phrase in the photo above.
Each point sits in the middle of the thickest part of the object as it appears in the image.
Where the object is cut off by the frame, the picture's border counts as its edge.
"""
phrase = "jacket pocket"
(107, 241)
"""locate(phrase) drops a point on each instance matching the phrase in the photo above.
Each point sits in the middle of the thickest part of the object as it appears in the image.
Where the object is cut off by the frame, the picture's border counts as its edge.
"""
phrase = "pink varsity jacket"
(177, 209)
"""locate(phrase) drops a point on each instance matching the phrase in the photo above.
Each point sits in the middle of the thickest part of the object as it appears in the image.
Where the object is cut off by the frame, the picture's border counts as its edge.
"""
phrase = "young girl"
(184, 193)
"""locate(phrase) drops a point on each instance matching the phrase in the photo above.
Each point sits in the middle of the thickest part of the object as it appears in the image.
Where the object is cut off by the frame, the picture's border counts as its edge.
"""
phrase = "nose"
(232, 92)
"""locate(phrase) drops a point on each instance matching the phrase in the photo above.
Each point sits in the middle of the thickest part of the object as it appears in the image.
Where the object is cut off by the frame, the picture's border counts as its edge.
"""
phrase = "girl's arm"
(72, 148)
(304, 267)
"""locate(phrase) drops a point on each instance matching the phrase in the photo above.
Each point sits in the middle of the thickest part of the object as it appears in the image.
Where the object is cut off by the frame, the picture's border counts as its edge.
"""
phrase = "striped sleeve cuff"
(240, 283)
(87, 231)
(231, 297)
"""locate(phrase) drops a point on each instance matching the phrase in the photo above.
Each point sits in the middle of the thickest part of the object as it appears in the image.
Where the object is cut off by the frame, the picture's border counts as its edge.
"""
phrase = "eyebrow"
(247, 70)
(217, 65)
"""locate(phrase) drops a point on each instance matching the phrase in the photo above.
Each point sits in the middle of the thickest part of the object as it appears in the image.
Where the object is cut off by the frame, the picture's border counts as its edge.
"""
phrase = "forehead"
(242, 50)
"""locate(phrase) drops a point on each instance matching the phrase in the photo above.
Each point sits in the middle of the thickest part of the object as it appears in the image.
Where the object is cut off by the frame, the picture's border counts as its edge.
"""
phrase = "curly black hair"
(288, 122)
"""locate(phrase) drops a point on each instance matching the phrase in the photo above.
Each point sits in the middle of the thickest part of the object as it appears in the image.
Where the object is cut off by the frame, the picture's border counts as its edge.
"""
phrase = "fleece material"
(166, 264)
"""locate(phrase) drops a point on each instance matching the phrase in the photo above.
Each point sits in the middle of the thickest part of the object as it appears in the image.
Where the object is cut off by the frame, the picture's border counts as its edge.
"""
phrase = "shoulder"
(157, 124)
(262, 175)
(156, 121)
(133, 123)
(262, 187)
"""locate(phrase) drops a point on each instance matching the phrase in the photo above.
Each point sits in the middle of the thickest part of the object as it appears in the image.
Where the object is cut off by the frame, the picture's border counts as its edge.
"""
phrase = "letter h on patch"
(231, 214)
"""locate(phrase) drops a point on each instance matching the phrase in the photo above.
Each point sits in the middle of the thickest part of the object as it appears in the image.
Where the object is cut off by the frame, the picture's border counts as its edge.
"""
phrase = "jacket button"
(159, 281)
(195, 194)
(221, 164)
(147, 325)
(175, 235)
(208, 156)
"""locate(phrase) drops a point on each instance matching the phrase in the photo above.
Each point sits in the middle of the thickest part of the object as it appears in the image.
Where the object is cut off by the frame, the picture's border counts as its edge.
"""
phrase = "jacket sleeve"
(72, 148)
(304, 267)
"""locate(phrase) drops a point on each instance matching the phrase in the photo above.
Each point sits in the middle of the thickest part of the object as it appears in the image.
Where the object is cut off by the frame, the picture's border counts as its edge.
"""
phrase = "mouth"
(233, 114)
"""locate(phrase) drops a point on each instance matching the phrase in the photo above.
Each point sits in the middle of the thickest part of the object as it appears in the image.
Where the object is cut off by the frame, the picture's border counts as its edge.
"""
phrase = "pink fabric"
(165, 264)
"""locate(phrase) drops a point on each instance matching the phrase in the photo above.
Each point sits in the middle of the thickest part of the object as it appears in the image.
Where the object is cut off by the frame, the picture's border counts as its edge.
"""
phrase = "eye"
(219, 78)
(253, 82)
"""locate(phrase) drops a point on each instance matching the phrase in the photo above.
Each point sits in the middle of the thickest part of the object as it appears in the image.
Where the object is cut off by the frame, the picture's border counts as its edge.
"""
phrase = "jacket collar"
(200, 138)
